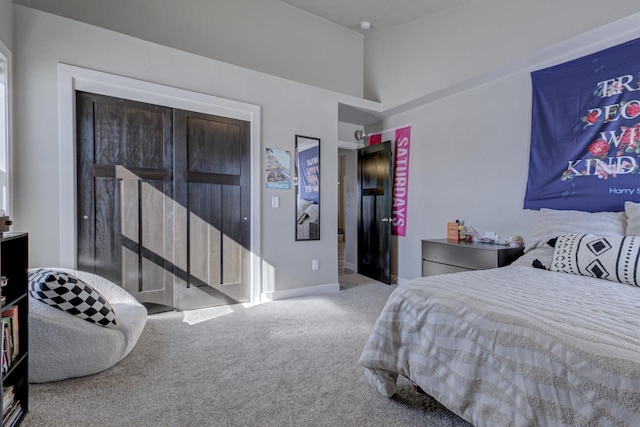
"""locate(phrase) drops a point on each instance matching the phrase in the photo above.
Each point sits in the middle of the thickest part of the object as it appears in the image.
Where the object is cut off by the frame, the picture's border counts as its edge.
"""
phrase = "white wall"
(469, 153)
(6, 23)
(263, 35)
(470, 150)
(288, 108)
(469, 160)
(430, 54)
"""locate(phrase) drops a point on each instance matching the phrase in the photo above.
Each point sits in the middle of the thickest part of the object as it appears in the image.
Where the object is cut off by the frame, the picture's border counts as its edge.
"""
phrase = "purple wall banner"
(585, 132)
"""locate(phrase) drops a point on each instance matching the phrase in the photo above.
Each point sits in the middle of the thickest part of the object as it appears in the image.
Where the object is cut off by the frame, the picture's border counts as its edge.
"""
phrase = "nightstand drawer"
(459, 255)
(441, 256)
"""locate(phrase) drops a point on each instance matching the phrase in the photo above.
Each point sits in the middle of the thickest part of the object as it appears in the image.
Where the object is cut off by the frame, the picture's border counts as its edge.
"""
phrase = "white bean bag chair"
(63, 346)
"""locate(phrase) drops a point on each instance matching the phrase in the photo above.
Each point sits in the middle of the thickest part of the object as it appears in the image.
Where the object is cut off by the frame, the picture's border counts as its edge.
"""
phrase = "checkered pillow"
(70, 294)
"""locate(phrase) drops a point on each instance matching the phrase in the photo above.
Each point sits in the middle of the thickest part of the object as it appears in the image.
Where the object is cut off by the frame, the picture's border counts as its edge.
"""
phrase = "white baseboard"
(401, 280)
(330, 288)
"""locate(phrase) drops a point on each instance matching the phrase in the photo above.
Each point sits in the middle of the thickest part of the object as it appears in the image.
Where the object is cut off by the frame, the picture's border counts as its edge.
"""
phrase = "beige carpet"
(286, 363)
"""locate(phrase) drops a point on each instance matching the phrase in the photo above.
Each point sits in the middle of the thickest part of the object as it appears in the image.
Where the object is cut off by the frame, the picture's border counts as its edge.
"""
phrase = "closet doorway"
(347, 212)
(164, 202)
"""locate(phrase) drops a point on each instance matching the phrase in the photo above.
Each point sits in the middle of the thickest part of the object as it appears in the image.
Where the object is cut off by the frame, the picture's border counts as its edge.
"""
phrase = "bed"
(520, 345)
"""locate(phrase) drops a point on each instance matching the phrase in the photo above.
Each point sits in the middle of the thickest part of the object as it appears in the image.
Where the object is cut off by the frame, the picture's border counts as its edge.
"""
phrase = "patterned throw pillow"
(612, 258)
(70, 294)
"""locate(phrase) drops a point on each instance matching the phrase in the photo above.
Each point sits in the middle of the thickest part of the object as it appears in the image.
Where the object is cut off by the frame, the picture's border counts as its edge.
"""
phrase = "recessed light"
(365, 25)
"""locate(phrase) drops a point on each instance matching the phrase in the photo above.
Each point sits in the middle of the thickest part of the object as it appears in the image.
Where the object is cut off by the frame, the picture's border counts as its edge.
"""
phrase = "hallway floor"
(342, 259)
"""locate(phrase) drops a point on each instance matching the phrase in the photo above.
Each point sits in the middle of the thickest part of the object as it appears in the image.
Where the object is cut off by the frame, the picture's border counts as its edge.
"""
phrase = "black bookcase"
(14, 254)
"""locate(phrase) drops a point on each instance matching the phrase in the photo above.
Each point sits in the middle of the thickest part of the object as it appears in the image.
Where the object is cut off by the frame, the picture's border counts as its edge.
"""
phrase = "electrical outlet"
(314, 264)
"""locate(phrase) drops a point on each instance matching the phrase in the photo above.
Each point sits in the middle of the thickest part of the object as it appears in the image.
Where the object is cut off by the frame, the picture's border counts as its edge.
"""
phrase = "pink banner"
(375, 138)
(401, 181)
(400, 175)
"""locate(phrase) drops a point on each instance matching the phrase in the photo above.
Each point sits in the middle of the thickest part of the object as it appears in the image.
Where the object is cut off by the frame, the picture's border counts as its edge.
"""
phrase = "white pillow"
(633, 218)
(551, 223)
(613, 258)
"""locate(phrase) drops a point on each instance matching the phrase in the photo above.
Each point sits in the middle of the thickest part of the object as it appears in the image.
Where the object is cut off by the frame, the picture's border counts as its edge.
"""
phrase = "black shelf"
(14, 262)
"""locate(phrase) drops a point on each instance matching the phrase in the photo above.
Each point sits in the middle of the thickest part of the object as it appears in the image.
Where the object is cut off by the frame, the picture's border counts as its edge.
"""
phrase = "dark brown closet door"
(164, 202)
(125, 194)
(212, 188)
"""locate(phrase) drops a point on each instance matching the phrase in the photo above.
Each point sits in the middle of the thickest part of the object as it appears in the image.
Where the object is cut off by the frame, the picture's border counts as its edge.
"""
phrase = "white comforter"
(514, 346)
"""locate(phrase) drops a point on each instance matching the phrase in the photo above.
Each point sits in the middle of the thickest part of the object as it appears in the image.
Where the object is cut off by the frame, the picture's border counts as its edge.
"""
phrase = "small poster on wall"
(585, 132)
(277, 169)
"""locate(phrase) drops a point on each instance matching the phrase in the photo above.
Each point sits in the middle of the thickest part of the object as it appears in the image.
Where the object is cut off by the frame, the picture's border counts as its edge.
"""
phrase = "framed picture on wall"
(277, 169)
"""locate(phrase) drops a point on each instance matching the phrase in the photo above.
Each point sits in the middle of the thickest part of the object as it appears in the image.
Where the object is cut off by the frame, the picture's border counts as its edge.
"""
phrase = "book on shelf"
(12, 414)
(12, 313)
(7, 349)
(5, 359)
(8, 397)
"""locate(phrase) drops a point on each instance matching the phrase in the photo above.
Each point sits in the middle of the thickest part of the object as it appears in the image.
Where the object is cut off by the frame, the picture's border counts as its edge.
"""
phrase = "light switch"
(275, 202)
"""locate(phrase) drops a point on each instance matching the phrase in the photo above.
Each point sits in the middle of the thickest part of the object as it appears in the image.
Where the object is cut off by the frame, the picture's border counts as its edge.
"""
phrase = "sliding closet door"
(164, 202)
(125, 194)
(212, 187)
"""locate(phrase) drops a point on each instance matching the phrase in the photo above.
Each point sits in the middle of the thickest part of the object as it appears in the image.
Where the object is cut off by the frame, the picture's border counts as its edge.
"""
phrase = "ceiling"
(380, 13)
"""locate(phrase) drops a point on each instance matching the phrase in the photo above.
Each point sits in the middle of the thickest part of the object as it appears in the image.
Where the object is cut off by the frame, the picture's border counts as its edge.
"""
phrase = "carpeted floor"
(285, 363)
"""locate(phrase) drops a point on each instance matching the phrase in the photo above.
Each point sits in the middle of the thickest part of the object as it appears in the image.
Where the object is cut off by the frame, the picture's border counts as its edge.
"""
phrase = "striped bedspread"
(514, 346)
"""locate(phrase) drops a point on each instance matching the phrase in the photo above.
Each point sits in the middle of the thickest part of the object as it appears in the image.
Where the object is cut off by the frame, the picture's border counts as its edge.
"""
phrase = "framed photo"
(277, 169)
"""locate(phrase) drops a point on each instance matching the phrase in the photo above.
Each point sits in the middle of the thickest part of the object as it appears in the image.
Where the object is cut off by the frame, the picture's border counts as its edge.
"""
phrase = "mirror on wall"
(307, 187)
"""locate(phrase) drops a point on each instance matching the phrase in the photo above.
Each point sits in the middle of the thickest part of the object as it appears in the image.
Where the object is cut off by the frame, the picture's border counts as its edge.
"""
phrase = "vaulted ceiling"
(380, 13)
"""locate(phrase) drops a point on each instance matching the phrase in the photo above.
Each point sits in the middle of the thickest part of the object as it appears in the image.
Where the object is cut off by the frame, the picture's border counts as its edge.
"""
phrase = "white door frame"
(6, 170)
(72, 78)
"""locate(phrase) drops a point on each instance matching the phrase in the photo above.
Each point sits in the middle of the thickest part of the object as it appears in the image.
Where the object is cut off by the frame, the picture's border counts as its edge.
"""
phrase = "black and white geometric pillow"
(614, 258)
(70, 294)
